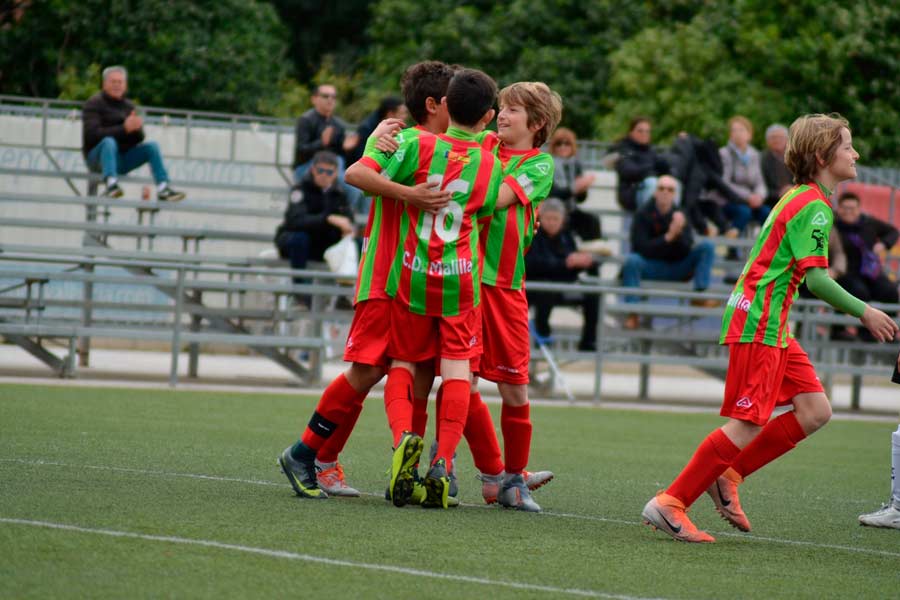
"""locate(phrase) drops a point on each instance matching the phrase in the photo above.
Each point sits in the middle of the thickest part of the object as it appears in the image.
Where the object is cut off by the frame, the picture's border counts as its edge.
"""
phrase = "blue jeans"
(359, 204)
(740, 214)
(698, 263)
(106, 155)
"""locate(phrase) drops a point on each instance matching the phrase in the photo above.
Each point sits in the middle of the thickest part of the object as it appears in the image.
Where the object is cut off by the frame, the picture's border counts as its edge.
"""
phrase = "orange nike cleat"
(724, 494)
(669, 515)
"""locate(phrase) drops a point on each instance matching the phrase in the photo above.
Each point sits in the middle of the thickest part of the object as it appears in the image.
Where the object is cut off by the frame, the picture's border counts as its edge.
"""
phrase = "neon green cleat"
(403, 468)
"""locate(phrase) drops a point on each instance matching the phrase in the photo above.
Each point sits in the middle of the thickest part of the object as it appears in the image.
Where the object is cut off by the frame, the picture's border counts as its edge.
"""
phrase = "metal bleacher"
(195, 275)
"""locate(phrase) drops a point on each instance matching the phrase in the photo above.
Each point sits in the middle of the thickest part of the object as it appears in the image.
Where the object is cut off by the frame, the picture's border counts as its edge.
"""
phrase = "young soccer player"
(529, 112)
(423, 86)
(437, 280)
(766, 365)
(889, 514)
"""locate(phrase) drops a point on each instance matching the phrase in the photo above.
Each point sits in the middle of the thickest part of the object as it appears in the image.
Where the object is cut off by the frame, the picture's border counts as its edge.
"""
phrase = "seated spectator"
(391, 107)
(553, 257)
(637, 165)
(663, 247)
(113, 138)
(571, 183)
(317, 215)
(741, 171)
(320, 129)
(697, 164)
(866, 240)
(776, 175)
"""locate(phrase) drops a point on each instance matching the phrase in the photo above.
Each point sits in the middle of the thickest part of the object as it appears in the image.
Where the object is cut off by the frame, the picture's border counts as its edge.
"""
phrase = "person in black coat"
(865, 240)
(554, 257)
(317, 216)
(637, 165)
(112, 138)
(663, 247)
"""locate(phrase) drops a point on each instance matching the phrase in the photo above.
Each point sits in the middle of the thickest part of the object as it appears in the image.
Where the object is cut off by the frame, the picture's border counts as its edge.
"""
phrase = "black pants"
(585, 225)
(880, 289)
(545, 302)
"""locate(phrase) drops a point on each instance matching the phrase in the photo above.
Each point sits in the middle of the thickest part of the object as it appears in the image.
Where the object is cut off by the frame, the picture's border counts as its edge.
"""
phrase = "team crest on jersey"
(820, 219)
(544, 168)
(819, 238)
(462, 157)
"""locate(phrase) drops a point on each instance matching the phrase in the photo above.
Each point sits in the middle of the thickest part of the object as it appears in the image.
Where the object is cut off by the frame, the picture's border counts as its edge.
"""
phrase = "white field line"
(333, 562)
(544, 514)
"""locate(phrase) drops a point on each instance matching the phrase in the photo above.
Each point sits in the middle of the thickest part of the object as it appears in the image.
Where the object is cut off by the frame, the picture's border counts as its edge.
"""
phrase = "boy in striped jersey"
(529, 112)
(436, 279)
(766, 365)
(423, 85)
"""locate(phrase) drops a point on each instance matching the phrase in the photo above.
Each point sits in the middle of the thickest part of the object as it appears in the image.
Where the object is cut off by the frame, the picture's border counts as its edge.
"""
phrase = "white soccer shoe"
(887, 516)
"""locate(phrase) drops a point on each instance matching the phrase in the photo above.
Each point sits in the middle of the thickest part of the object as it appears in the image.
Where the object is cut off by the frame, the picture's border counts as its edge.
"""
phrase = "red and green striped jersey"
(380, 237)
(437, 268)
(793, 239)
(507, 234)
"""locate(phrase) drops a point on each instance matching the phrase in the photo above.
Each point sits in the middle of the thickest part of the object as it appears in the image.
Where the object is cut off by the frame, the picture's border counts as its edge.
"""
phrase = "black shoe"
(167, 194)
(113, 191)
(302, 475)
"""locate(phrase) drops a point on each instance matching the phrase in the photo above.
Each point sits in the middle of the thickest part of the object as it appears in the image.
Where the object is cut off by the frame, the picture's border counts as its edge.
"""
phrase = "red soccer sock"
(776, 438)
(420, 416)
(335, 444)
(398, 394)
(452, 418)
(482, 437)
(515, 423)
(336, 405)
(712, 457)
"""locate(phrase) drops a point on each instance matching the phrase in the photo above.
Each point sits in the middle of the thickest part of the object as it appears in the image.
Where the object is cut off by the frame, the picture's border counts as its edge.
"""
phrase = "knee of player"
(363, 377)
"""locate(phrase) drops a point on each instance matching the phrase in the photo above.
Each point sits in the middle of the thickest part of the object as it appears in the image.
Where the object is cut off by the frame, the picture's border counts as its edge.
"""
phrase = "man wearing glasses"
(320, 129)
(317, 215)
(663, 247)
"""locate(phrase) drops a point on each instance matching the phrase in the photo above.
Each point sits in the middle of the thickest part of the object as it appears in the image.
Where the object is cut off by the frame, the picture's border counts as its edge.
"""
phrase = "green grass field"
(148, 493)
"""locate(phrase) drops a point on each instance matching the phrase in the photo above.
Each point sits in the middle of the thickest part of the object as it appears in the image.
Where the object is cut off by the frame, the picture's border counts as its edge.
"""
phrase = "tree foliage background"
(687, 64)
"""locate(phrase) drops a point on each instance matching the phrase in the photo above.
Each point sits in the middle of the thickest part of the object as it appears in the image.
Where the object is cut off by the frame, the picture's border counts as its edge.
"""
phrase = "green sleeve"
(401, 167)
(533, 179)
(808, 232)
(827, 289)
(381, 158)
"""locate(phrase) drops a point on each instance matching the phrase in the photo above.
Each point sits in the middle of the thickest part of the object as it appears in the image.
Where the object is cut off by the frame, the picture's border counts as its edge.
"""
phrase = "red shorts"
(507, 344)
(761, 377)
(415, 338)
(367, 341)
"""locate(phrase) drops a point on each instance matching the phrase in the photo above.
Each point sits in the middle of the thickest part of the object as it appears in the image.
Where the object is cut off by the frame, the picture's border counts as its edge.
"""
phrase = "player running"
(766, 365)
(423, 86)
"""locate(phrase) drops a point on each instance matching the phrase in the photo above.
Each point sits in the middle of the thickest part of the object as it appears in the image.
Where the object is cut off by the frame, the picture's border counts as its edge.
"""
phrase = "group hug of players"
(441, 291)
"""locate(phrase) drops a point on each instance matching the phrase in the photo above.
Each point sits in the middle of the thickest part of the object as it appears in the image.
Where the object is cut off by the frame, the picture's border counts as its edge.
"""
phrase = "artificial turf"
(127, 460)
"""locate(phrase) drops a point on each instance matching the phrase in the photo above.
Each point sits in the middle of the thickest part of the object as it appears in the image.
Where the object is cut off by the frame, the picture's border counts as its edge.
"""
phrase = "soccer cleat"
(515, 494)
(437, 486)
(669, 515)
(887, 516)
(302, 475)
(167, 194)
(113, 191)
(331, 479)
(490, 486)
(724, 495)
(403, 468)
(537, 479)
(454, 486)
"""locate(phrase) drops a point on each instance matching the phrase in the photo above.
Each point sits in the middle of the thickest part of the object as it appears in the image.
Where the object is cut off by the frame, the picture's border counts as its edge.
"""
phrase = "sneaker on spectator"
(167, 194)
(113, 190)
